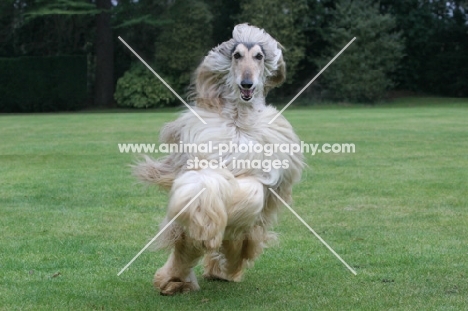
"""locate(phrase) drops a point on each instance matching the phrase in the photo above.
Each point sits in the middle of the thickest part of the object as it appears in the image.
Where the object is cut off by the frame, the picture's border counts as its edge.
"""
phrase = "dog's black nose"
(246, 84)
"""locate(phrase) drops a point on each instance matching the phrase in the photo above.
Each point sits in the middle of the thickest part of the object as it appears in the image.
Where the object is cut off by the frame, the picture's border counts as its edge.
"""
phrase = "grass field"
(71, 215)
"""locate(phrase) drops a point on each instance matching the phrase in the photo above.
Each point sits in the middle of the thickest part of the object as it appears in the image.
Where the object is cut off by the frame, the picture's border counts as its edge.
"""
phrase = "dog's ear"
(277, 77)
(206, 89)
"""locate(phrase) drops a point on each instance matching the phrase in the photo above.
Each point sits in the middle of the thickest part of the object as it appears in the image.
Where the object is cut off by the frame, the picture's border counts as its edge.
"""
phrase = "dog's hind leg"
(226, 264)
(233, 257)
(177, 275)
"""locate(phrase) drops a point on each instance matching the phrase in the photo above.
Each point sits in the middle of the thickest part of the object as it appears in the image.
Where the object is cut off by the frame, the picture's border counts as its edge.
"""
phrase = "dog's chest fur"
(250, 128)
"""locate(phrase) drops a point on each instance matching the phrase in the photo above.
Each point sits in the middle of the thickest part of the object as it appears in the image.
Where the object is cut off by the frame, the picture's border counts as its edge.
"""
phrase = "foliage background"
(362, 72)
(418, 46)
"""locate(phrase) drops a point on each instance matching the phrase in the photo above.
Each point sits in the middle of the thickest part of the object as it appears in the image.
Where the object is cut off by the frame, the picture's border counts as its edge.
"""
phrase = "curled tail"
(160, 171)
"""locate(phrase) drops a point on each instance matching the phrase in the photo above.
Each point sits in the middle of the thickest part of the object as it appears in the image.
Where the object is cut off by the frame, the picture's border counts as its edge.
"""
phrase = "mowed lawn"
(72, 216)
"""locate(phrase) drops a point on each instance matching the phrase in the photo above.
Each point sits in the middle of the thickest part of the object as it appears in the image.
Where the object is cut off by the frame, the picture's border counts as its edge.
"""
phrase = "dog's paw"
(169, 286)
(175, 286)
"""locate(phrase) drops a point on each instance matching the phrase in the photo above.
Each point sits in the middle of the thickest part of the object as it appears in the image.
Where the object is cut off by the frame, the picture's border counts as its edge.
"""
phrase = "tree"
(104, 87)
(8, 16)
(178, 35)
(282, 19)
(225, 14)
(184, 40)
(361, 73)
(436, 48)
(45, 28)
(314, 29)
(139, 23)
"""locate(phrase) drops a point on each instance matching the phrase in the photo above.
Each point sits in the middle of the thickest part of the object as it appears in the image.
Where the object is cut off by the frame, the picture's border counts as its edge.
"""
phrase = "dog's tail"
(160, 171)
(205, 219)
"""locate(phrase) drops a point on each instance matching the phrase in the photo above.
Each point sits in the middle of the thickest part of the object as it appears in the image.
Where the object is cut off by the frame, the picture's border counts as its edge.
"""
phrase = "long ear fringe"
(277, 77)
(208, 82)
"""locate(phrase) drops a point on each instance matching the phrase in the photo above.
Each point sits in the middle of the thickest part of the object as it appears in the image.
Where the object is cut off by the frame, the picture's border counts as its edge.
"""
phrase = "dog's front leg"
(205, 218)
(177, 275)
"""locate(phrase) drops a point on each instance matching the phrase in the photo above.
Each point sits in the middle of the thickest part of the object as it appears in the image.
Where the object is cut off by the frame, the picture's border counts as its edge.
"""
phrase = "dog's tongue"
(247, 93)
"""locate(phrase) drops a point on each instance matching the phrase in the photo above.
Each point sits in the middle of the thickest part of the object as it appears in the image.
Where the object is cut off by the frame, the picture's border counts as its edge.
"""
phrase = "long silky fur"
(236, 205)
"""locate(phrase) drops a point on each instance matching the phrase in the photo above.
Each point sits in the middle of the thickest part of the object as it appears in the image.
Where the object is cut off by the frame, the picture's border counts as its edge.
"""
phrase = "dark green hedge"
(35, 84)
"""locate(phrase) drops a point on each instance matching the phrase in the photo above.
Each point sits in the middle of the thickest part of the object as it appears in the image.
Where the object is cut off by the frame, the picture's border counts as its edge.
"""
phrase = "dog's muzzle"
(246, 94)
(246, 89)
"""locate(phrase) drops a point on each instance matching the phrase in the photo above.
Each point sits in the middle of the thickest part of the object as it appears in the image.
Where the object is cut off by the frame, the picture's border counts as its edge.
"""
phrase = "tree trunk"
(104, 86)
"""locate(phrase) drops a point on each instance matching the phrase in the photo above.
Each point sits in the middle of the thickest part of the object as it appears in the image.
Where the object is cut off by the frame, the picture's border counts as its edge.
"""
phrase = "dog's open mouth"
(246, 94)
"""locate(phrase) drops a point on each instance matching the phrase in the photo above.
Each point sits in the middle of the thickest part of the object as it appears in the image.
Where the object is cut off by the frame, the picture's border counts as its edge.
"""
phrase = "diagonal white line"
(159, 233)
(161, 79)
(315, 233)
(311, 81)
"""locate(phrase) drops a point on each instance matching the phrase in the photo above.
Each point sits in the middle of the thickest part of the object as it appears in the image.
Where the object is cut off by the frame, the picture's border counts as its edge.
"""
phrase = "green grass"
(396, 210)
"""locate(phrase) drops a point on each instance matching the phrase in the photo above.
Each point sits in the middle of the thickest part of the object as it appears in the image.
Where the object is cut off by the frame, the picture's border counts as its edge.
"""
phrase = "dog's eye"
(259, 56)
(237, 55)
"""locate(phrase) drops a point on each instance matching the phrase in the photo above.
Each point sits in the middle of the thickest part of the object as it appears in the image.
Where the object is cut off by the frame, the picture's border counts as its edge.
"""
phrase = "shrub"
(139, 88)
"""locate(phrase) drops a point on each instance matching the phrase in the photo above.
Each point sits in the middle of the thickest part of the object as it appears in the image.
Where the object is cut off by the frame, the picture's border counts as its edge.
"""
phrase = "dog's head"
(256, 61)
(247, 66)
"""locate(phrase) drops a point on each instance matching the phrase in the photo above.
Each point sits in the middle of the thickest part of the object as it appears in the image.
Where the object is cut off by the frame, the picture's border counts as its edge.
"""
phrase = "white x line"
(160, 232)
(162, 80)
(315, 233)
(311, 81)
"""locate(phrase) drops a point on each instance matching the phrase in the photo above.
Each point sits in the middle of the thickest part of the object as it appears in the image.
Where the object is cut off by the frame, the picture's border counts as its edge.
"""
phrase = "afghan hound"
(229, 222)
